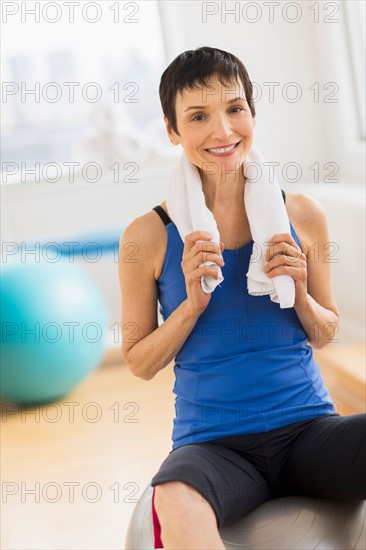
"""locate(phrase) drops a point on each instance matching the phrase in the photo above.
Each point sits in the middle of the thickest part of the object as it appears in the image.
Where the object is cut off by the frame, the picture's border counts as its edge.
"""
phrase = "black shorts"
(322, 457)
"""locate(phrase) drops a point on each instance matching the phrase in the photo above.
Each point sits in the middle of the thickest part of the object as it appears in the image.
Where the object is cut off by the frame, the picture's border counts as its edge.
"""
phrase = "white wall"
(305, 132)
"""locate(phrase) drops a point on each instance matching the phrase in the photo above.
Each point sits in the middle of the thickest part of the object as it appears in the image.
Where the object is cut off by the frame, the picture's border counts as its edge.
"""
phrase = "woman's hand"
(284, 257)
(194, 254)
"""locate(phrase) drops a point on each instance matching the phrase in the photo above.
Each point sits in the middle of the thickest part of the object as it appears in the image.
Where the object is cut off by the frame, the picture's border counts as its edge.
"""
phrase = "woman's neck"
(226, 194)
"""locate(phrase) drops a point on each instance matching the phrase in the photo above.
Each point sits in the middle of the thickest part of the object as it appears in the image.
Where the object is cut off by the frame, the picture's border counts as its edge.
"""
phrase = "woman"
(253, 417)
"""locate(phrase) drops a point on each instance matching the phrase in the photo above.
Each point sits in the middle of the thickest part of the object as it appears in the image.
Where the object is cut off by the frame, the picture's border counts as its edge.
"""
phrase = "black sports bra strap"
(164, 216)
(166, 219)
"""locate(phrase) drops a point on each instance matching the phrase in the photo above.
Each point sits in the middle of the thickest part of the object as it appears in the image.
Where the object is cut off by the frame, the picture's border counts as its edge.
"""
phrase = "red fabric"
(156, 525)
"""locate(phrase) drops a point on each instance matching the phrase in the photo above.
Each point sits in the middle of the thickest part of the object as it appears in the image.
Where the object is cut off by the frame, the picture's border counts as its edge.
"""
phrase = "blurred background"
(84, 152)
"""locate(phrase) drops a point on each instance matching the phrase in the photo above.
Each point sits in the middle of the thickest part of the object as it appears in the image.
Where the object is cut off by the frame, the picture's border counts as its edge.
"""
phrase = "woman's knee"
(179, 492)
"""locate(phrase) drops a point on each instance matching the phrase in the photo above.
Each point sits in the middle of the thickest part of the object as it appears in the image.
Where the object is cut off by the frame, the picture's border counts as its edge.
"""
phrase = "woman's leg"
(185, 522)
(328, 460)
(215, 487)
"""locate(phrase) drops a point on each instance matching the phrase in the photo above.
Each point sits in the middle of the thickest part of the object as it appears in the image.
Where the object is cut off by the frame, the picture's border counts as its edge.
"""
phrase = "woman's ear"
(170, 132)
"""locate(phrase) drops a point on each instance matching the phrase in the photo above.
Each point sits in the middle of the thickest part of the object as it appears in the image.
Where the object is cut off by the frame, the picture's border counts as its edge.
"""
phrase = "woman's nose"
(221, 127)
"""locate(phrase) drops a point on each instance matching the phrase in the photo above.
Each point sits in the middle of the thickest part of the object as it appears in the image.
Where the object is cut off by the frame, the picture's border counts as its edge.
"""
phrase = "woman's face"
(213, 118)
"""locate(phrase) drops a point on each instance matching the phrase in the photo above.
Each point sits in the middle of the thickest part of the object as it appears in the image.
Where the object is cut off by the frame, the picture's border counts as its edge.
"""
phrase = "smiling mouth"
(225, 149)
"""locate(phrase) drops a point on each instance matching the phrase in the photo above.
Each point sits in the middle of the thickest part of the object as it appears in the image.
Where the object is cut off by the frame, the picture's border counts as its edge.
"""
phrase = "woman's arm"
(315, 305)
(146, 347)
(319, 314)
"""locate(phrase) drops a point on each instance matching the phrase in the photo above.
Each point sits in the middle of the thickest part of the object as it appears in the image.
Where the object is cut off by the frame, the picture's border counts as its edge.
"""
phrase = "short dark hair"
(194, 67)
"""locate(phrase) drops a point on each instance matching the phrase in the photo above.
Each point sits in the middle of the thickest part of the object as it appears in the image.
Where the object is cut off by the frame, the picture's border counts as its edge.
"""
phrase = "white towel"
(266, 214)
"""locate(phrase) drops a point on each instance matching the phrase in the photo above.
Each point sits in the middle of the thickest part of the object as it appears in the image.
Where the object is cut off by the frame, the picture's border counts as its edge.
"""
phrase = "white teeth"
(223, 149)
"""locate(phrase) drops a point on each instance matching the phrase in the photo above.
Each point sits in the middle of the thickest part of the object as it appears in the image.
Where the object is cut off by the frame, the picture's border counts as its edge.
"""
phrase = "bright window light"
(355, 28)
(78, 85)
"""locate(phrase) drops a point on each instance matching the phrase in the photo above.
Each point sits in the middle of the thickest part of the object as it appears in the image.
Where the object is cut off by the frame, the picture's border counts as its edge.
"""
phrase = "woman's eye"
(195, 117)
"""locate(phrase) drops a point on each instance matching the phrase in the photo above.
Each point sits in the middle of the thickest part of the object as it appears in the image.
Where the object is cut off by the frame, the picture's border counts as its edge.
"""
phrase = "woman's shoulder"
(305, 213)
(147, 235)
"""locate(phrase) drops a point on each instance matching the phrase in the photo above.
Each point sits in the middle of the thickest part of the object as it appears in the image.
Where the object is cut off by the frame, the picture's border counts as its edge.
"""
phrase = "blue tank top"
(246, 366)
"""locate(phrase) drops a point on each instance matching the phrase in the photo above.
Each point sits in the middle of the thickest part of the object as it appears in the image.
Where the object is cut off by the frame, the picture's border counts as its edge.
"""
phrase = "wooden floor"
(110, 460)
(71, 481)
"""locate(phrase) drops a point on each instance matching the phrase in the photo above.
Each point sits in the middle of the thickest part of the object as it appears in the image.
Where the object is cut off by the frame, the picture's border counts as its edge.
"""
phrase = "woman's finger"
(284, 248)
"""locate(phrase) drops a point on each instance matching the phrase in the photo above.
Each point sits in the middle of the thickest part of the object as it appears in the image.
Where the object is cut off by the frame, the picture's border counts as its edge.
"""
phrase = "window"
(355, 29)
(79, 86)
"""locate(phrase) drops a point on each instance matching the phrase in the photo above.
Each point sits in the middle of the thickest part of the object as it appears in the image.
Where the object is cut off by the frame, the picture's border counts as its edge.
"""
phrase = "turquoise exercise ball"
(54, 322)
